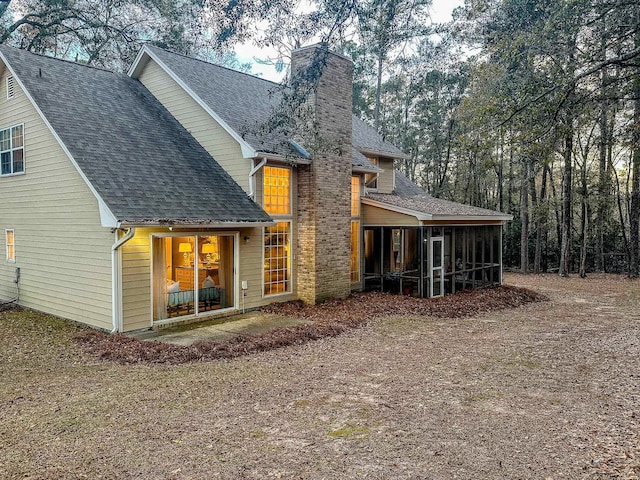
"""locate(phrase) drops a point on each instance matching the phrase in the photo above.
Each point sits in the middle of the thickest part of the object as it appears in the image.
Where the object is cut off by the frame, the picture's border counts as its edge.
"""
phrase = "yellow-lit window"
(11, 245)
(277, 191)
(355, 252)
(277, 258)
(355, 196)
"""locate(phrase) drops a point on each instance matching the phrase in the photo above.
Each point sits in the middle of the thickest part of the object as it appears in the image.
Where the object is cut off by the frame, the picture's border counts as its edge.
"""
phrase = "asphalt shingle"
(144, 165)
(246, 103)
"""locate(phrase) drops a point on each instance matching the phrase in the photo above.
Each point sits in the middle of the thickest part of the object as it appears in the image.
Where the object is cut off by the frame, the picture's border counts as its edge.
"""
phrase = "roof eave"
(107, 218)
(167, 223)
(247, 150)
(360, 169)
(393, 208)
(383, 153)
(283, 158)
(473, 218)
(427, 217)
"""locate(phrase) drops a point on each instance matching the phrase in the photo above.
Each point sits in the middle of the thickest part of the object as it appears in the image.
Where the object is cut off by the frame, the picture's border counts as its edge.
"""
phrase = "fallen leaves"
(328, 319)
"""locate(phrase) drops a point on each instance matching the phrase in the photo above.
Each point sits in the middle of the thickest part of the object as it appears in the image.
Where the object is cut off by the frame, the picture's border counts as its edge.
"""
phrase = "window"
(371, 179)
(277, 191)
(355, 196)
(355, 251)
(277, 259)
(11, 245)
(10, 89)
(355, 229)
(12, 150)
(277, 239)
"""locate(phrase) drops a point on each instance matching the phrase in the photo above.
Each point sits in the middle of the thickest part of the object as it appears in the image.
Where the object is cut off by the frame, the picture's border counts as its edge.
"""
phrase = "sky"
(440, 13)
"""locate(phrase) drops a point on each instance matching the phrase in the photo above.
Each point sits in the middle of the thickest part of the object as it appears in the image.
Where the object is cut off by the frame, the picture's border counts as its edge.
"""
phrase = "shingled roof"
(246, 103)
(408, 197)
(142, 163)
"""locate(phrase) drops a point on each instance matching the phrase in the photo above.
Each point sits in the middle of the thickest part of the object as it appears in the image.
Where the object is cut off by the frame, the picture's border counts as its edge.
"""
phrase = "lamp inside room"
(185, 248)
(208, 249)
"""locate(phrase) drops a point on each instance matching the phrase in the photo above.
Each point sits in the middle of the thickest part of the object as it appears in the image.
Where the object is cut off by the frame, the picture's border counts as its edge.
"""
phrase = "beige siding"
(220, 145)
(136, 273)
(63, 253)
(385, 179)
(380, 216)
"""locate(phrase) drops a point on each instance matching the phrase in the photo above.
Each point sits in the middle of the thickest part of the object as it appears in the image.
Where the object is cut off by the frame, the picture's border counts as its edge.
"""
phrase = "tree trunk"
(565, 246)
(634, 210)
(376, 112)
(524, 217)
(541, 222)
(585, 222)
(602, 207)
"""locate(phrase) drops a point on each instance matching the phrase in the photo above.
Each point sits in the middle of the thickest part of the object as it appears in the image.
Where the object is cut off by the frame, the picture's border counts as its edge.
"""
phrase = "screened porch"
(430, 261)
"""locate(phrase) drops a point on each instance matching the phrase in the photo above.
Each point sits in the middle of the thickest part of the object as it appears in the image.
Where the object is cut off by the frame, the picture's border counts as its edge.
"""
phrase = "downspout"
(252, 180)
(116, 293)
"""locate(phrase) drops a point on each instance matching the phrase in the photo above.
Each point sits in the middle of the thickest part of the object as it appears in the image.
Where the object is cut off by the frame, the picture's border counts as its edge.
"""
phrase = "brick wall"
(324, 187)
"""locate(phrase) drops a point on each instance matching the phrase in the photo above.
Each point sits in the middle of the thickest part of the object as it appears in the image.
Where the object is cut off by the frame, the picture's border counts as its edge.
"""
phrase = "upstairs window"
(10, 241)
(277, 191)
(12, 150)
(10, 88)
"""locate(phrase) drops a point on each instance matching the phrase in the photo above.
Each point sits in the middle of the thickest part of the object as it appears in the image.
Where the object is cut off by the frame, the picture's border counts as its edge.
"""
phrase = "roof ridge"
(71, 62)
(214, 64)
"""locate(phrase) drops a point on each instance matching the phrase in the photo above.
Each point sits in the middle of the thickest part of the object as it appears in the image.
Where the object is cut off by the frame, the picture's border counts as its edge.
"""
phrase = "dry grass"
(547, 390)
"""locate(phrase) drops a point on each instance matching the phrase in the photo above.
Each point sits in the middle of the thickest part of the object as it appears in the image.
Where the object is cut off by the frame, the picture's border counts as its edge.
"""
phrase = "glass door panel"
(437, 256)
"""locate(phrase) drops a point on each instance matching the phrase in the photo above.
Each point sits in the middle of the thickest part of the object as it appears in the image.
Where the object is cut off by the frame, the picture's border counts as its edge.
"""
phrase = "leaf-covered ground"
(326, 320)
(546, 390)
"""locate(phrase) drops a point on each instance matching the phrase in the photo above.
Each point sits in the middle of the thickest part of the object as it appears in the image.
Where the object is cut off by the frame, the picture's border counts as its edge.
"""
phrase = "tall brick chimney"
(324, 187)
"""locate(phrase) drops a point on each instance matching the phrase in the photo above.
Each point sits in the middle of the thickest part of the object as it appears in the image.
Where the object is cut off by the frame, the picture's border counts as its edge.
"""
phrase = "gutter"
(252, 180)
(116, 286)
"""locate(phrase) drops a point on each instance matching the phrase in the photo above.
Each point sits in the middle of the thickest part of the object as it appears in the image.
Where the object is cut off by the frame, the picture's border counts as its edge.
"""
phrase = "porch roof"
(426, 208)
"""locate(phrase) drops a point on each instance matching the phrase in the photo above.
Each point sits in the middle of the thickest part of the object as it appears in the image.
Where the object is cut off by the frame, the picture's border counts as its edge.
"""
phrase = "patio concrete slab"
(219, 330)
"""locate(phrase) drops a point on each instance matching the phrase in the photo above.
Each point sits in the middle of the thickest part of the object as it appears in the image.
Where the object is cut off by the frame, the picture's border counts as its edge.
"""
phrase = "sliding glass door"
(192, 275)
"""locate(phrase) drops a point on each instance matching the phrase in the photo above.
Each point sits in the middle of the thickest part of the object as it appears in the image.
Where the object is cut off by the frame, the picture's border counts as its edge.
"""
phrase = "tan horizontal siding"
(136, 273)
(385, 179)
(380, 216)
(215, 139)
(62, 251)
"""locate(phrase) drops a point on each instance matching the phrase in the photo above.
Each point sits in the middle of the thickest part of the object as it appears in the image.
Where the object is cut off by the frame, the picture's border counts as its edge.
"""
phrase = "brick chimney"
(324, 187)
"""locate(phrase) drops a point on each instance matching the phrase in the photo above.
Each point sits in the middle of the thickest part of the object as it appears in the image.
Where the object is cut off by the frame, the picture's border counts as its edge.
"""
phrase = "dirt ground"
(547, 390)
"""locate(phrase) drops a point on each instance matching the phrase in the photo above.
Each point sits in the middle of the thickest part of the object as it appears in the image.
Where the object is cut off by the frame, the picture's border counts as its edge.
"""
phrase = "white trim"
(472, 218)
(199, 226)
(274, 157)
(435, 217)
(12, 149)
(108, 219)
(196, 313)
(382, 153)
(247, 150)
(432, 269)
(291, 244)
(6, 244)
(117, 311)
